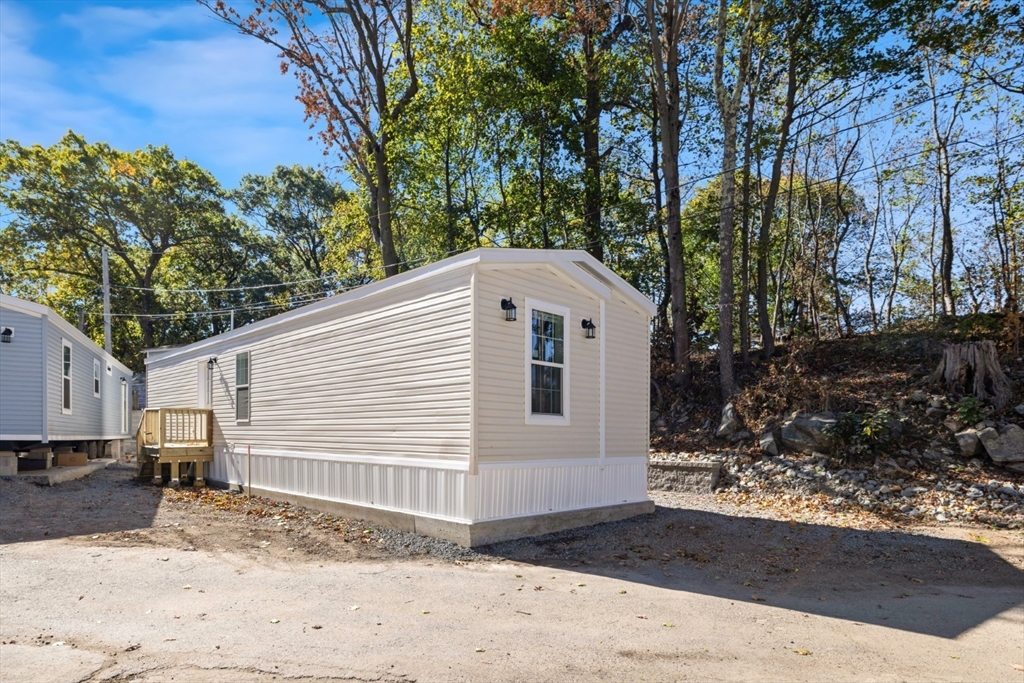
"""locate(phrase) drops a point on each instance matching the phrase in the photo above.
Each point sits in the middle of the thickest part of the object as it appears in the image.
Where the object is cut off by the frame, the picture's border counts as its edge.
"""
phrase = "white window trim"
(247, 385)
(65, 344)
(97, 378)
(552, 420)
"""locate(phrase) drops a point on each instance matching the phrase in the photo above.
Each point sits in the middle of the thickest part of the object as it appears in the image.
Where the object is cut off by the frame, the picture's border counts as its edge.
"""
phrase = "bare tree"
(728, 100)
(348, 56)
(667, 20)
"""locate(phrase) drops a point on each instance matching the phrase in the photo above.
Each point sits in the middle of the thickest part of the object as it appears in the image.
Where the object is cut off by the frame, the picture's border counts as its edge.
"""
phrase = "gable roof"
(578, 265)
(66, 328)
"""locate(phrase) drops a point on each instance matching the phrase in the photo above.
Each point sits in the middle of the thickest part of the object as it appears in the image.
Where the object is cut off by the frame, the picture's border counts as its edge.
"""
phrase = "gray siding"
(383, 376)
(21, 385)
(91, 417)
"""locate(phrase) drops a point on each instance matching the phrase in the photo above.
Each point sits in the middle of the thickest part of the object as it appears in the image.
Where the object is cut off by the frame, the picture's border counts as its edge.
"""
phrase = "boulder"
(1019, 409)
(970, 444)
(918, 397)
(730, 422)
(806, 433)
(935, 413)
(740, 436)
(768, 444)
(1005, 445)
(954, 425)
(1015, 467)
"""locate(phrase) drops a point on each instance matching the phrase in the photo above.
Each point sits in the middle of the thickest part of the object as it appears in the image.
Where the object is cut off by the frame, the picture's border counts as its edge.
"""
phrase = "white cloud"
(32, 107)
(231, 76)
(211, 95)
(104, 24)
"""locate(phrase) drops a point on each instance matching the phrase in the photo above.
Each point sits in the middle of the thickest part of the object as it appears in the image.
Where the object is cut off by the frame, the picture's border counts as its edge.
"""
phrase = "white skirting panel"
(428, 491)
(521, 491)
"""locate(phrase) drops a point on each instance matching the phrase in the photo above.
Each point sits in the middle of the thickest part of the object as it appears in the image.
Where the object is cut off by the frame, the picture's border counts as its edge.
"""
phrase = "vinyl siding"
(91, 417)
(502, 432)
(21, 384)
(385, 376)
(627, 371)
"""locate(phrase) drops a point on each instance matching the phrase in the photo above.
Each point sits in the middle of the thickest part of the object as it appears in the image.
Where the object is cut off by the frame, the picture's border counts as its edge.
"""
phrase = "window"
(110, 370)
(65, 385)
(96, 377)
(242, 387)
(547, 360)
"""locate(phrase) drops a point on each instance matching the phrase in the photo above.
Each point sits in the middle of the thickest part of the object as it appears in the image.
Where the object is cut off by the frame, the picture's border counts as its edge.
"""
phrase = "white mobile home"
(494, 394)
(56, 385)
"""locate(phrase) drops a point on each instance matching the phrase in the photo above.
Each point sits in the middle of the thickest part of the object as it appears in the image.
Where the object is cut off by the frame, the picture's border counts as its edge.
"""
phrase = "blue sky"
(140, 72)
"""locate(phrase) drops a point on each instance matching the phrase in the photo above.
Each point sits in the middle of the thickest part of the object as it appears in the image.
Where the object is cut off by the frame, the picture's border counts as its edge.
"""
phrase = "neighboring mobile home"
(56, 386)
(494, 394)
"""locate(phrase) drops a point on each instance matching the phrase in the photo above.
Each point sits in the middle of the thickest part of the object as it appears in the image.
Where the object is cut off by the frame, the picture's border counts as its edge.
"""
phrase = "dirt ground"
(105, 579)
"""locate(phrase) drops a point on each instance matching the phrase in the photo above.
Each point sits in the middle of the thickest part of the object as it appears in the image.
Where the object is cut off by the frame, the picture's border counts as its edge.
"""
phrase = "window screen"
(547, 366)
(242, 386)
(65, 377)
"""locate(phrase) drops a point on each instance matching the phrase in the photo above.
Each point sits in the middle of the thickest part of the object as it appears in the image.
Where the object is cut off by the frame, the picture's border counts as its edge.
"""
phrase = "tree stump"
(972, 368)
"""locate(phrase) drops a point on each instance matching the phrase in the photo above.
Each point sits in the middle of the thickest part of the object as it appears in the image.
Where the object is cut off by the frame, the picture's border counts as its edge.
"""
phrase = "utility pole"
(81, 320)
(106, 303)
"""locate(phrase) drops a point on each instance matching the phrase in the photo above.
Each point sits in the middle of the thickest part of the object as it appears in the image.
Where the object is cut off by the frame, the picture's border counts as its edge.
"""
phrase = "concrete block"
(683, 476)
(8, 464)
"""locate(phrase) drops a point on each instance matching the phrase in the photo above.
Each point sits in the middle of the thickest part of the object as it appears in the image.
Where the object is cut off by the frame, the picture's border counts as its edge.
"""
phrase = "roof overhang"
(577, 265)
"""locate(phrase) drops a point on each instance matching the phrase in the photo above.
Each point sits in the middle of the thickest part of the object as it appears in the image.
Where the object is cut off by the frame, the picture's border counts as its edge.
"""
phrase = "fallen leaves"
(757, 598)
(803, 653)
(353, 608)
(275, 621)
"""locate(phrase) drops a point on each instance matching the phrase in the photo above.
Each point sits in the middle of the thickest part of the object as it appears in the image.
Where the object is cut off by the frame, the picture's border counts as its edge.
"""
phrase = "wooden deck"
(175, 436)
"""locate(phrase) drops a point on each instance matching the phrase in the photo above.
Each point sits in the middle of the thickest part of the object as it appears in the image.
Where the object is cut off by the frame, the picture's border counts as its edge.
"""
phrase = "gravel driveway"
(105, 579)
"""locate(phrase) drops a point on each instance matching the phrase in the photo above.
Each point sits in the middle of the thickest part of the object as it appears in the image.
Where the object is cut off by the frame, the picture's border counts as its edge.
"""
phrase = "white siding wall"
(384, 377)
(502, 432)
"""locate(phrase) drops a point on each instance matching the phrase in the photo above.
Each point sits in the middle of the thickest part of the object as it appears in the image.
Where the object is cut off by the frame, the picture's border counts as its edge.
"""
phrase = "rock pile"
(941, 489)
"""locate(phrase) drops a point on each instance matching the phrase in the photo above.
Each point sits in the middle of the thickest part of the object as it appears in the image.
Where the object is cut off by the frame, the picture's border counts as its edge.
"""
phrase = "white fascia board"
(294, 318)
(628, 291)
(572, 260)
(69, 330)
(564, 260)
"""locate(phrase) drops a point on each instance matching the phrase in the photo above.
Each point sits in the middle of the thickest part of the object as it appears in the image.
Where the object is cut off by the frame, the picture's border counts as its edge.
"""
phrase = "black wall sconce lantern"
(124, 381)
(6, 335)
(509, 308)
(211, 362)
(588, 325)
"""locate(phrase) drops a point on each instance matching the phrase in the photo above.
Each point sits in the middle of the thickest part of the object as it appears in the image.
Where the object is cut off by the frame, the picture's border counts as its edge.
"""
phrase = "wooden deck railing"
(175, 427)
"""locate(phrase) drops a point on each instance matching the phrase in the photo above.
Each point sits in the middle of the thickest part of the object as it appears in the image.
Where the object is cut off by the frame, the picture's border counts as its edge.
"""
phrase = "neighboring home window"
(547, 361)
(65, 386)
(96, 377)
(242, 386)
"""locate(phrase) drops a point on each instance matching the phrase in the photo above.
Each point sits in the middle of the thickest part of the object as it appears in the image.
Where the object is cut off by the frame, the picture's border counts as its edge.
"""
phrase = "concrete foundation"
(56, 475)
(471, 535)
(682, 476)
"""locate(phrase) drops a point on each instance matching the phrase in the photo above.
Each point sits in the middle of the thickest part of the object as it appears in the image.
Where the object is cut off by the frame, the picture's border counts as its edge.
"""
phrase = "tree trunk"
(728, 99)
(592, 154)
(748, 134)
(725, 258)
(972, 368)
(387, 239)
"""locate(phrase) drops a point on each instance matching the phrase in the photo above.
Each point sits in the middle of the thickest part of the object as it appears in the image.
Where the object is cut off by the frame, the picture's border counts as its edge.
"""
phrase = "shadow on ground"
(105, 501)
(909, 581)
(942, 584)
